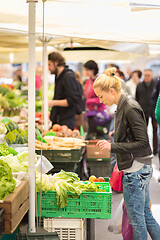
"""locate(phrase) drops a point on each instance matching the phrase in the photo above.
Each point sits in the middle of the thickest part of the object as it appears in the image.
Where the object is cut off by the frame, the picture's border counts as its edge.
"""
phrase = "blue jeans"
(136, 198)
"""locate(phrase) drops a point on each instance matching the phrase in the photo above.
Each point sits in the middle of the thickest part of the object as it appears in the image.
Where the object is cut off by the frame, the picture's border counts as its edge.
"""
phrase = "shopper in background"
(121, 75)
(133, 82)
(134, 155)
(66, 92)
(38, 77)
(144, 93)
(93, 105)
(17, 79)
(80, 119)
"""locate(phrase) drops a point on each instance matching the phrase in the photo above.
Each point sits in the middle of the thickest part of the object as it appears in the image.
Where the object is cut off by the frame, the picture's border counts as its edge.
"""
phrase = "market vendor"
(65, 94)
(134, 155)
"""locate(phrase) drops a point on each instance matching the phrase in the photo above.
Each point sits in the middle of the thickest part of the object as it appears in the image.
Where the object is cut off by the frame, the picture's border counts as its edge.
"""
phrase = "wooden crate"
(94, 153)
(15, 206)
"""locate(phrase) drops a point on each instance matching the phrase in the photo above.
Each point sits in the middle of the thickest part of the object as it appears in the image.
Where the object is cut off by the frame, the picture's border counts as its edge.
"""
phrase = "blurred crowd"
(95, 117)
(76, 105)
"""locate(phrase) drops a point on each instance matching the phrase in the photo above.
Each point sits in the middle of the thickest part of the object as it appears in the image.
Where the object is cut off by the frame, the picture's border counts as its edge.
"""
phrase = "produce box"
(73, 155)
(38, 236)
(1, 221)
(15, 206)
(95, 205)
(74, 229)
(94, 153)
(99, 169)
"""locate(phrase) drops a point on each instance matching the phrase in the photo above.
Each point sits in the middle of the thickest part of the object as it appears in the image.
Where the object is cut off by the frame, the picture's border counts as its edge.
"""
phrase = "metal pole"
(31, 113)
(45, 82)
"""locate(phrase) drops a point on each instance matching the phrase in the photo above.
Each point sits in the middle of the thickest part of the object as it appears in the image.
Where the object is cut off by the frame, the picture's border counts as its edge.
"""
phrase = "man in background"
(65, 94)
(144, 93)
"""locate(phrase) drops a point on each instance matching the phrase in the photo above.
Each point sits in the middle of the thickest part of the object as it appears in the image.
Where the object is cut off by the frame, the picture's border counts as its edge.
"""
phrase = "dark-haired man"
(65, 94)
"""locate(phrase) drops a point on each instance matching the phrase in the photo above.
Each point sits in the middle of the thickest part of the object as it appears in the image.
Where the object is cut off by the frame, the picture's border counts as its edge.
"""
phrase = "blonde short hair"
(108, 80)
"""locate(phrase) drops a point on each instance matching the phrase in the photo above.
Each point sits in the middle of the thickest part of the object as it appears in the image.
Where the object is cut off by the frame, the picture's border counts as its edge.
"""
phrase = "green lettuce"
(7, 182)
(17, 163)
(67, 176)
(64, 183)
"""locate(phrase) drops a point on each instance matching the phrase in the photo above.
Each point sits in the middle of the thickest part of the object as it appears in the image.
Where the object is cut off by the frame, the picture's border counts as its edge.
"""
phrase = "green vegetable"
(19, 162)
(13, 162)
(4, 150)
(41, 139)
(64, 183)
(7, 182)
(3, 102)
(37, 133)
(38, 106)
(67, 176)
(4, 90)
(16, 137)
(11, 126)
(88, 187)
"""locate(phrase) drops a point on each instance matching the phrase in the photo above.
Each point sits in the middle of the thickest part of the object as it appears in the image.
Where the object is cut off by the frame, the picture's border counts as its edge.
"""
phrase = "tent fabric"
(14, 56)
(104, 23)
(99, 20)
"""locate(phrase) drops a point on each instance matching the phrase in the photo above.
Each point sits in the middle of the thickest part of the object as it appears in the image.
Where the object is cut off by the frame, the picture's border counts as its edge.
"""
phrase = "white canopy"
(104, 23)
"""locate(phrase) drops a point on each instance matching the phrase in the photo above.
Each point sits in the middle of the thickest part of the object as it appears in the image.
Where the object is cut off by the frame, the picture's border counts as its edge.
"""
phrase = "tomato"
(101, 179)
(92, 178)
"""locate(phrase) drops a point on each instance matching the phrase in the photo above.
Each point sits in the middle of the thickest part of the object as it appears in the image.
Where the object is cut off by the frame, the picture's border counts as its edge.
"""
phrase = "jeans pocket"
(144, 179)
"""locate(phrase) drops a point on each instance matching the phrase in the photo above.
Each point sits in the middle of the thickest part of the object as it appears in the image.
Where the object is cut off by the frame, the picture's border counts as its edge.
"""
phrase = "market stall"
(68, 151)
(101, 39)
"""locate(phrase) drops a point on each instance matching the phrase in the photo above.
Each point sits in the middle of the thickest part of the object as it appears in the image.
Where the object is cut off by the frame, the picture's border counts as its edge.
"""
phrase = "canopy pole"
(45, 82)
(31, 113)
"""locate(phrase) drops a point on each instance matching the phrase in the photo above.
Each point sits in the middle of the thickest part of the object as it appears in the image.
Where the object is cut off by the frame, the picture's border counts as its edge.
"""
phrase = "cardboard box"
(94, 152)
(15, 206)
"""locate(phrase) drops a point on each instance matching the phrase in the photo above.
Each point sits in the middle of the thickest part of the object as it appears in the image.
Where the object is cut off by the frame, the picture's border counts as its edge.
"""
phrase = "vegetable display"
(7, 182)
(3, 129)
(18, 136)
(60, 143)
(10, 126)
(62, 183)
(10, 101)
(17, 163)
(4, 150)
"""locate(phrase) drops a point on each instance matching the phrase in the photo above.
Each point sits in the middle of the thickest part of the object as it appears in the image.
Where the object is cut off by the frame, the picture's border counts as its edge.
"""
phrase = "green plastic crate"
(73, 155)
(95, 205)
(98, 159)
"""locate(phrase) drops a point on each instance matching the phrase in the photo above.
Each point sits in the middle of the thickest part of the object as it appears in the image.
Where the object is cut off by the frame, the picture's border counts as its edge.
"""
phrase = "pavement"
(101, 226)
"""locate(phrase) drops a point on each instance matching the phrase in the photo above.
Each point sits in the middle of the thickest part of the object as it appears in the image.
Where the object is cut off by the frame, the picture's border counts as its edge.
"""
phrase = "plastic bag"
(46, 165)
(116, 223)
(127, 230)
(116, 179)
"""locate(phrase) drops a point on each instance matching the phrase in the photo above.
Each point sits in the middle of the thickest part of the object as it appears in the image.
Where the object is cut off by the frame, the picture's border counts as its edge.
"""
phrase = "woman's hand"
(104, 144)
(111, 134)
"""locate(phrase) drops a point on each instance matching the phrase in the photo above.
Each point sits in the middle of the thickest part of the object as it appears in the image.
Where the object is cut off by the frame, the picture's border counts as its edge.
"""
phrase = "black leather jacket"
(130, 133)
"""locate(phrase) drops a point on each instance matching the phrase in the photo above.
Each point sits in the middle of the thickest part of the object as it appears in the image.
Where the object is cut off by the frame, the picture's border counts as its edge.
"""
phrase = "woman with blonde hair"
(134, 155)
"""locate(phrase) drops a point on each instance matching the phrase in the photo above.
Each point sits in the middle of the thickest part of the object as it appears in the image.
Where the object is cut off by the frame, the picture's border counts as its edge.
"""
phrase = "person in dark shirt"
(144, 93)
(65, 94)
